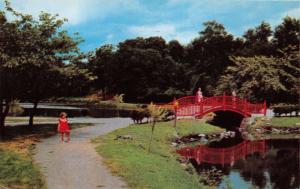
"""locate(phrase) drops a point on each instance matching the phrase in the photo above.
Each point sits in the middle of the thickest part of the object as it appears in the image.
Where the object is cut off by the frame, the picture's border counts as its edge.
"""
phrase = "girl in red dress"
(63, 126)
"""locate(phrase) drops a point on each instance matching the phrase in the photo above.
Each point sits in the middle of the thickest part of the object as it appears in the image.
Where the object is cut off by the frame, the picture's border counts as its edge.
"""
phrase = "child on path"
(63, 126)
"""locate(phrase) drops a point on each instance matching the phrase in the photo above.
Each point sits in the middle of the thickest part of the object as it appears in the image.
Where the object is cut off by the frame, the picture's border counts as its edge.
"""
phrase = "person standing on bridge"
(63, 126)
(199, 96)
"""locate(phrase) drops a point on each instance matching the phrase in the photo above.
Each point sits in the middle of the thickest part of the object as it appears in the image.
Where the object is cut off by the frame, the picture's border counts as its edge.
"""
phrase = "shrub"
(286, 109)
(139, 114)
(15, 108)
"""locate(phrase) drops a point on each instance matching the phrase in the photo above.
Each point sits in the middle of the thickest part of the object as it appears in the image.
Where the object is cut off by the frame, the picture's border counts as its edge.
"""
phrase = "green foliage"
(139, 64)
(208, 56)
(258, 77)
(158, 169)
(17, 171)
(33, 64)
(38, 59)
(118, 98)
(153, 70)
(156, 114)
(287, 33)
(257, 41)
(15, 108)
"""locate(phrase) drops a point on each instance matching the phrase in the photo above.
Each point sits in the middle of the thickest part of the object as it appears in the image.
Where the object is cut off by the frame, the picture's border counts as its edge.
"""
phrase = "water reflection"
(262, 164)
(73, 111)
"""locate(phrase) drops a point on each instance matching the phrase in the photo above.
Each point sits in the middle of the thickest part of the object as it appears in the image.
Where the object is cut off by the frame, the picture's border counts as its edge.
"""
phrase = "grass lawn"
(157, 169)
(17, 168)
(275, 122)
(279, 122)
(19, 171)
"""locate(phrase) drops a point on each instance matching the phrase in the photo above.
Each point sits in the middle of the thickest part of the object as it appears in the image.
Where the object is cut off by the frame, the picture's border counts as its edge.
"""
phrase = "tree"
(176, 51)
(45, 49)
(10, 56)
(258, 78)
(75, 80)
(100, 64)
(156, 113)
(257, 41)
(33, 58)
(208, 56)
(142, 69)
(287, 34)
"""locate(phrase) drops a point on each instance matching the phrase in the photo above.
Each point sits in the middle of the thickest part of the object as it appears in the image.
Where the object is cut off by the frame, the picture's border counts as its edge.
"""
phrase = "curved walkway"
(76, 165)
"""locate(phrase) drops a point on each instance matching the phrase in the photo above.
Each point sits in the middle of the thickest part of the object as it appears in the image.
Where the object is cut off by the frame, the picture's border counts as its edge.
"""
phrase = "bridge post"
(264, 146)
(245, 106)
(224, 101)
(265, 108)
(201, 107)
(245, 149)
(175, 105)
(223, 157)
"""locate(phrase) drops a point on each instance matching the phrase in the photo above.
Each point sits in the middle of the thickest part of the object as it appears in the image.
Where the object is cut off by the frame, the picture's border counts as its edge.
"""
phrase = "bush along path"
(76, 164)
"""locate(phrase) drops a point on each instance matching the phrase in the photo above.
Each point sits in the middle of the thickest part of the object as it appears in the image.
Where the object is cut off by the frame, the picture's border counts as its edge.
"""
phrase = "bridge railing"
(257, 108)
(191, 106)
(189, 100)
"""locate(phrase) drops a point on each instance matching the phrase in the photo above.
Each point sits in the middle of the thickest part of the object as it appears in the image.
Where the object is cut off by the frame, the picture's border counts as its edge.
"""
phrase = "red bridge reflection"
(204, 154)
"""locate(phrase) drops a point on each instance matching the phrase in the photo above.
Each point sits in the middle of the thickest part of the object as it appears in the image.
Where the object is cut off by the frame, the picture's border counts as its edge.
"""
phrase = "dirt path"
(76, 165)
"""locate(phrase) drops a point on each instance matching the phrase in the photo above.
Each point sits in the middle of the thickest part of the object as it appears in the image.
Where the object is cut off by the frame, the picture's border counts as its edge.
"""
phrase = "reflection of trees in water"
(253, 169)
(211, 175)
(282, 165)
(279, 167)
(284, 169)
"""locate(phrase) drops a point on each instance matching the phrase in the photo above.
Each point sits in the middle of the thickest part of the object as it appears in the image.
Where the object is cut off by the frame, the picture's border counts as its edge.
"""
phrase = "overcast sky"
(100, 22)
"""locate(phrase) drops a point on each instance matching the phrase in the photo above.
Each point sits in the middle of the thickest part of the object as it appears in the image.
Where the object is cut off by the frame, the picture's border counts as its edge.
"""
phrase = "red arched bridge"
(204, 154)
(193, 106)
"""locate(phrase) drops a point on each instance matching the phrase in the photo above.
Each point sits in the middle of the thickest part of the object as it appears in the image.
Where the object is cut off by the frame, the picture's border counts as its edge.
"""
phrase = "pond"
(250, 164)
(53, 110)
(240, 164)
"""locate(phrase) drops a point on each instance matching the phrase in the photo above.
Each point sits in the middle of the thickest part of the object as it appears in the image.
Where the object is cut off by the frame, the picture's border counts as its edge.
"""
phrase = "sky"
(101, 22)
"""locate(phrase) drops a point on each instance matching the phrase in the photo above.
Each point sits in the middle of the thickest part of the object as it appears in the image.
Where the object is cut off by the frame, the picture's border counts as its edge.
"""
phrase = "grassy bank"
(17, 167)
(158, 169)
(112, 105)
(275, 128)
(19, 171)
(281, 122)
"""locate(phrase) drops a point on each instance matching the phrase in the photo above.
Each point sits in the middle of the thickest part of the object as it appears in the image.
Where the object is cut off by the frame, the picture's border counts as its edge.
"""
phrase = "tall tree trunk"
(4, 109)
(1, 119)
(32, 112)
(2, 130)
(104, 93)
